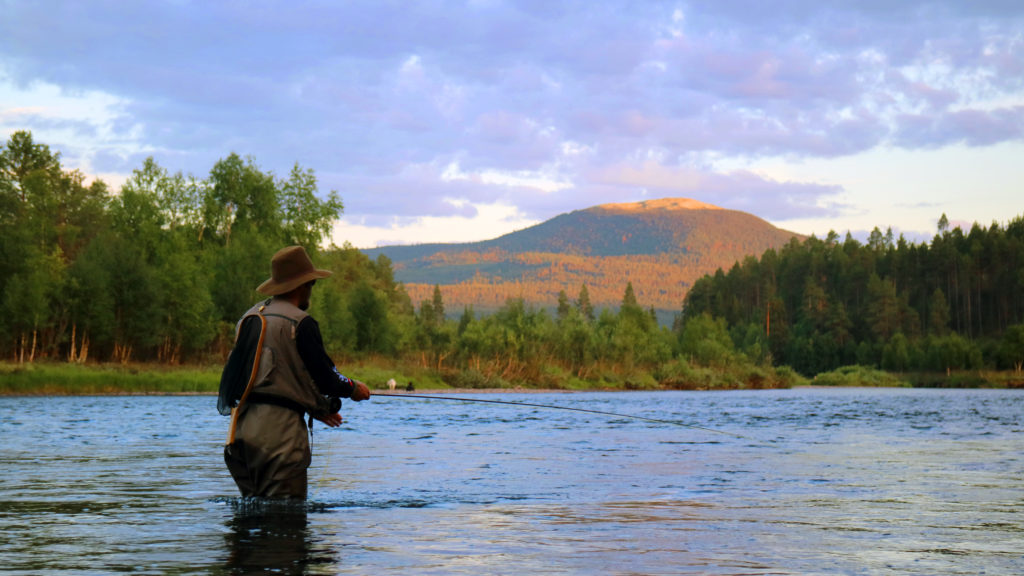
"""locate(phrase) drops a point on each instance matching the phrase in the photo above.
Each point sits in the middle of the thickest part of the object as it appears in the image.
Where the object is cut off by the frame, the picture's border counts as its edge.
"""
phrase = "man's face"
(307, 292)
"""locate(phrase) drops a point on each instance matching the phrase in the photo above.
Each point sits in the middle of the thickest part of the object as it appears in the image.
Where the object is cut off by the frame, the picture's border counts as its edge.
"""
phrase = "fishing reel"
(334, 404)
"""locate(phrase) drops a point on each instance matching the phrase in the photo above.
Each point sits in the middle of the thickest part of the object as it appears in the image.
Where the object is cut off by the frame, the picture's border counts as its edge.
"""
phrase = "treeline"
(660, 280)
(819, 304)
(158, 271)
(161, 270)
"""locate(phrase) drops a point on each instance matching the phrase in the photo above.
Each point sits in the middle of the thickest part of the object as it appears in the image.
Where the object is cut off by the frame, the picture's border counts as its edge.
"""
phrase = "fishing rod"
(553, 407)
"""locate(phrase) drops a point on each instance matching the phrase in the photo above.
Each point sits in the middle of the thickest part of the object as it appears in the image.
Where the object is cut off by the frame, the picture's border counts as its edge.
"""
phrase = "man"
(277, 373)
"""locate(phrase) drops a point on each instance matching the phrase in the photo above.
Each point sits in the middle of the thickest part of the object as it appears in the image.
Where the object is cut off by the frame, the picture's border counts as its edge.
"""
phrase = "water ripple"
(823, 481)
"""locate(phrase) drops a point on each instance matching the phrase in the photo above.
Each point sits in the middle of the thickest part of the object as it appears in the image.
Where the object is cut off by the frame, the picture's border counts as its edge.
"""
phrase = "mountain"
(661, 246)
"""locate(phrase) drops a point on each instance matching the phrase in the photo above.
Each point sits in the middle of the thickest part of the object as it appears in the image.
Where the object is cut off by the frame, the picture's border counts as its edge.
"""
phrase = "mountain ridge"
(661, 246)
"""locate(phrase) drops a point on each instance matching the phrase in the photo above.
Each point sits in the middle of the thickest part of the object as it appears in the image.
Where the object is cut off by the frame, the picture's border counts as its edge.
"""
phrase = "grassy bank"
(862, 376)
(56, 379)
(46, 379)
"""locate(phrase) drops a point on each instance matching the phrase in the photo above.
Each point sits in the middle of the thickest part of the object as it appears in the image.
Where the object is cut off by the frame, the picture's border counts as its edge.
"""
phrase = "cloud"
(974, 127)
(545, 106)
(739, 189)
(483, 221)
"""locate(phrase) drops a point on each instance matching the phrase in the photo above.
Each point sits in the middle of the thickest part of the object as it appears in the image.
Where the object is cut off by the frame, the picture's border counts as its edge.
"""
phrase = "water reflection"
(273, 537)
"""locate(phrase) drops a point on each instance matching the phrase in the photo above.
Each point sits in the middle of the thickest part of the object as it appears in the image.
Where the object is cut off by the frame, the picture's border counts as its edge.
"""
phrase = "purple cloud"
(973, 127)
(380, 98)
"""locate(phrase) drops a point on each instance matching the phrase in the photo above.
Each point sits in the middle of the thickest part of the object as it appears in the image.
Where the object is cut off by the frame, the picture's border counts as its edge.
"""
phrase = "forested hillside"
(957, 303)
(661, 247)
(159, 271)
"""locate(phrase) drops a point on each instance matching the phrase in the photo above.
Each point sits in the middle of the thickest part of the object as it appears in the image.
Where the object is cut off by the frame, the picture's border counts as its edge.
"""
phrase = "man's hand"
(360, 392)
(332, 420)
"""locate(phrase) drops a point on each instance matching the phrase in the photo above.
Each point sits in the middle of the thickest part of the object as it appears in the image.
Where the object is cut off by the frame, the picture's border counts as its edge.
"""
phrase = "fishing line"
(553, 407)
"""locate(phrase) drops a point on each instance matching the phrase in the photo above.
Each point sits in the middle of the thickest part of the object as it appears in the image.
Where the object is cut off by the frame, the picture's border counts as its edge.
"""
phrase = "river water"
(821, 481)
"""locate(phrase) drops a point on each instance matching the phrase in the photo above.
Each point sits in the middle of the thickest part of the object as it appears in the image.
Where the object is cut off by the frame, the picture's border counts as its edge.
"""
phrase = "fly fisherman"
(277, 373)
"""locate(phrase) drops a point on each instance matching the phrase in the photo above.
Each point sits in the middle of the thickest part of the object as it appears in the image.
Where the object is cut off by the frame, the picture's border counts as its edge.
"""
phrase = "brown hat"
(289, 269)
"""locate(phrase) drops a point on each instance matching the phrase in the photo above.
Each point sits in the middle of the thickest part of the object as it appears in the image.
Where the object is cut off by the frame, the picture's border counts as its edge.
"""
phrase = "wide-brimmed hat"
(289, 269)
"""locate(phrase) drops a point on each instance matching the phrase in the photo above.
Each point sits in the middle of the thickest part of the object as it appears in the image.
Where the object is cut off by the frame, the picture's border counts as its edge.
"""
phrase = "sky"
(461, 121)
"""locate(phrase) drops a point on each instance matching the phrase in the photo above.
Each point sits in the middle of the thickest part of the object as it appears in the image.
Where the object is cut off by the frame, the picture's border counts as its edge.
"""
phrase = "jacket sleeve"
(310, 343)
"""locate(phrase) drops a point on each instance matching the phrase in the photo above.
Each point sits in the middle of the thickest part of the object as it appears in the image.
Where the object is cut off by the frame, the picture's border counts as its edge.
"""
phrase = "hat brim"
(272, 288)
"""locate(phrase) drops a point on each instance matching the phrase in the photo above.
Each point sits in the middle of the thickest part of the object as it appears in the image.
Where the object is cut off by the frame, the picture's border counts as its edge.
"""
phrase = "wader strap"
(252, 379)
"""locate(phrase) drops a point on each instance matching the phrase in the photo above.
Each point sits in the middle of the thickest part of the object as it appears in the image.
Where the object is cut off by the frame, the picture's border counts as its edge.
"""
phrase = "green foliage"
(951, 352)
(938, 314)
(162, 270)
(681, 375)
(27, 303)
(187, 318)
(821, 304)
(360, 309)
(895, 354)
(856, 376)
(46, 379)
(706, 342)
(149, 273)
(306, 219)
(472, 378)
(583, 304)
(1012, 347)
(370, 315)
(786, 377)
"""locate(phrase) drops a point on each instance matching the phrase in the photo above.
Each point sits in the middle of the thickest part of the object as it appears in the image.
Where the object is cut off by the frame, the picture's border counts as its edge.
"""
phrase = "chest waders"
(235, 411)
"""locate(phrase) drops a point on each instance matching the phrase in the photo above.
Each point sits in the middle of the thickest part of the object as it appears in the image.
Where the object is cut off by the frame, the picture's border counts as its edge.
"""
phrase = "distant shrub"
(640, 381)
(960, 379)
(786, 377)
(475, 379)
(675, 375)
(857, 376)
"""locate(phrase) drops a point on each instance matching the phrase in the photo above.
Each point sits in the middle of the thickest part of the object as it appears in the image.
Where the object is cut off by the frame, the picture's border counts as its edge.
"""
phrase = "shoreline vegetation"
(61, 379)
(140, 291)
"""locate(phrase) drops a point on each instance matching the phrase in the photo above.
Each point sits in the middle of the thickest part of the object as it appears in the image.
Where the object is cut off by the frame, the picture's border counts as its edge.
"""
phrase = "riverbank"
(62, 379)
(52, 379)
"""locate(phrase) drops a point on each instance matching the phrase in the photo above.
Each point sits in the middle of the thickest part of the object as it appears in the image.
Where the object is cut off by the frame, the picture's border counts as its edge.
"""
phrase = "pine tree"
(583, 304)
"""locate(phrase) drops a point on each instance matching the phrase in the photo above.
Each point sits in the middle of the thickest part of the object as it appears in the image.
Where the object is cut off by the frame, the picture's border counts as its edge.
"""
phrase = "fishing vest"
(282, 373)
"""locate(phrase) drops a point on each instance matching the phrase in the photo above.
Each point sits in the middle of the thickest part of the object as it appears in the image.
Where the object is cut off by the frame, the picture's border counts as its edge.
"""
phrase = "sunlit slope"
(661, 246)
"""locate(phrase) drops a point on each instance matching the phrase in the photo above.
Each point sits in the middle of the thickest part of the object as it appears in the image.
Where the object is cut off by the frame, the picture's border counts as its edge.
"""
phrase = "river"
(803, 481)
